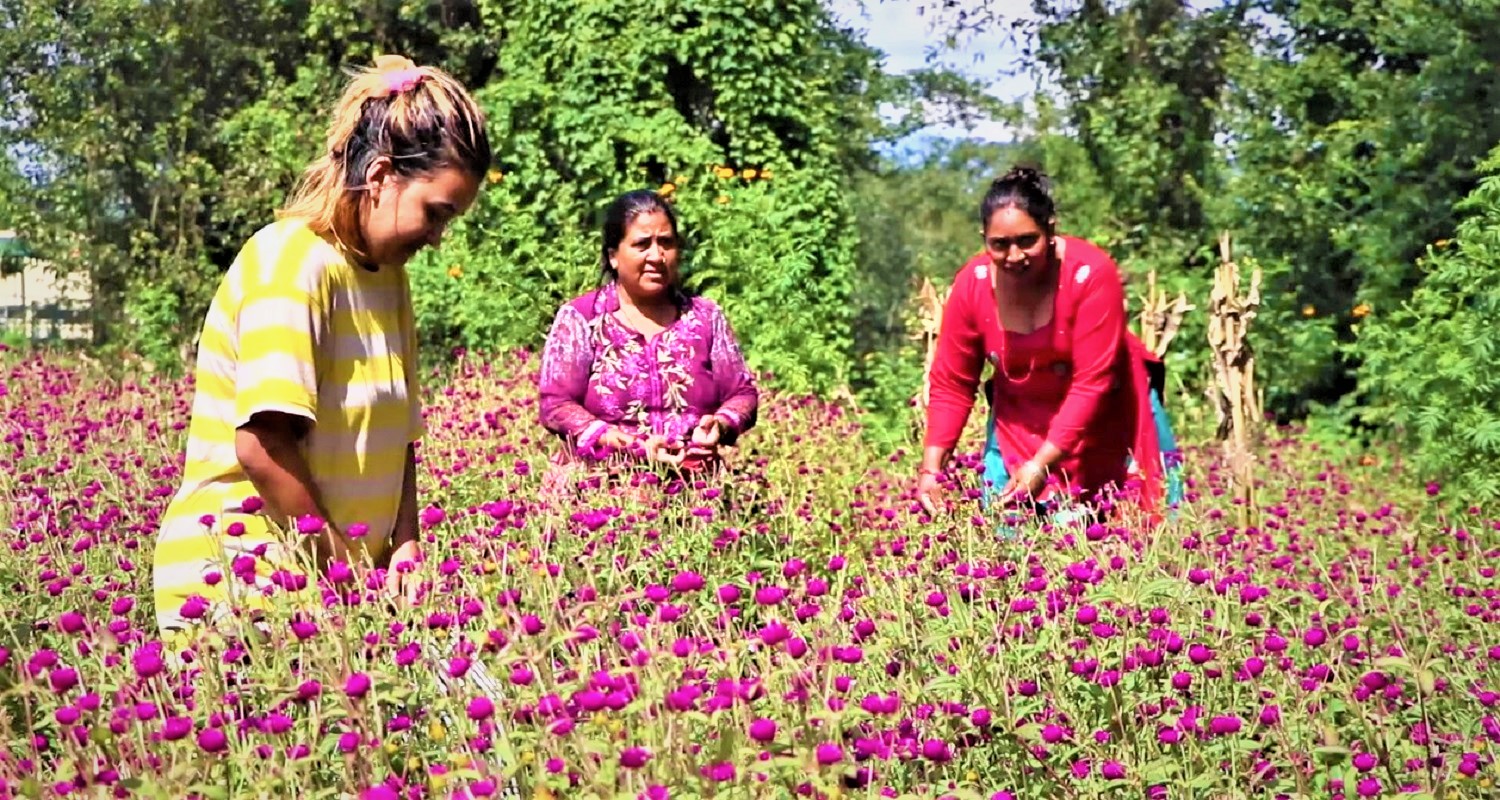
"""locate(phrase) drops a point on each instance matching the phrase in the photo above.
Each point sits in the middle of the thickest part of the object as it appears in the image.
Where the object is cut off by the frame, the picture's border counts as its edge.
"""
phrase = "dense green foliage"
(1431, 361)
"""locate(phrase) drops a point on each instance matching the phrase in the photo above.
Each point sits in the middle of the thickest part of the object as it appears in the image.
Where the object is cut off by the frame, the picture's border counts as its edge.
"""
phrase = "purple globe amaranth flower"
(1222, 726)
(634, 757)
(763, 730)
(357, 685)
(936, 750)
(829, 753)
(1052, 734)
(212, 740)
(480, 708)
(1270, 715)
(1182, 681)
(1113, 770)
(687, 582)
(769, 595)
(1200, 654)
(1364, 762)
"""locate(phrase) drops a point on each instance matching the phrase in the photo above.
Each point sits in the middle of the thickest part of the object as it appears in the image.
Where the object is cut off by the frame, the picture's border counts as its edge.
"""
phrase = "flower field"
(798, 629)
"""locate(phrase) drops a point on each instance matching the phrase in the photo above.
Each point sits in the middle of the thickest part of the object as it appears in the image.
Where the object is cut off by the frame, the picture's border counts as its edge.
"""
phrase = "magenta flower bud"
(357, 530)
(1052, 734)
(763, 730)
(348, 742)
(67, 715)
(309, 690)
(194, 607)
(521, 676)
(212, 740)
(1222, 726)
(458, 666)
(1314, 637)
(340, 573)
(357, 685)
(829, 753)
(634, 757)
(1181, 681)
(62, 679)
(70, 622)
(1199, 654)
(432, 516)
(304, 629)
(309, 524)
(1112, 770)
(981, 717)
(936, 750)
(480, 708)
(1364, 762)
(1270, 715)
(1169, 736)
(147, 662)
(1086, 615)
(1371, 787)
(687, 582)
(531, 624)
(836, 563)
(252, 504)
(769, 595)
(175, 728)
(774, 633)
(729, 593)
(936, 599)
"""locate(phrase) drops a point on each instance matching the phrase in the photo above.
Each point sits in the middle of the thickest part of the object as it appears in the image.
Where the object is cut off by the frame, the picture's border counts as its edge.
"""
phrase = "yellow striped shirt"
(294, 327)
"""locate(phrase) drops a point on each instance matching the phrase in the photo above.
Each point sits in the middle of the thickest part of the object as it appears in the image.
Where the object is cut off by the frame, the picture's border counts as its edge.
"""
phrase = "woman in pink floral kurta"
(639, 366)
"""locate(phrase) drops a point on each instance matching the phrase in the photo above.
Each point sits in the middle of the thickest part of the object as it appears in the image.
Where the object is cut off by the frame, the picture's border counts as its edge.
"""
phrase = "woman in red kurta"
(1070, 392)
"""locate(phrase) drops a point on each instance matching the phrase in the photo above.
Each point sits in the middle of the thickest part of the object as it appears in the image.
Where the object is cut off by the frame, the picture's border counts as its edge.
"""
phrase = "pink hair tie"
(401, 80)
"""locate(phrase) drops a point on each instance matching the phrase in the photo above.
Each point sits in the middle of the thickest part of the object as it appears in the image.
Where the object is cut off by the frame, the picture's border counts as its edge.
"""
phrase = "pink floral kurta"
(598, 372)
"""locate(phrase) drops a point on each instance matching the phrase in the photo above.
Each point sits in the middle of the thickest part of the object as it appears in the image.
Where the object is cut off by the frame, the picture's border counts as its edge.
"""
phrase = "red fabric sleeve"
(1098, 336)
(958, 363)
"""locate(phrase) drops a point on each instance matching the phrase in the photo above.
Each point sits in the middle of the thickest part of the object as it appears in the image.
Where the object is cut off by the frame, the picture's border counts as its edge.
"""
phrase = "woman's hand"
(929, 490)
(661, 451)
(616, 439)
(1027, 484)
(709, 431)
(404, 584)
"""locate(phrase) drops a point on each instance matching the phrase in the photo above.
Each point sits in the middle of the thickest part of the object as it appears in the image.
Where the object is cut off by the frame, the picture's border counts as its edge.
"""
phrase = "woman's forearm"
(272, 460)
(934, 458)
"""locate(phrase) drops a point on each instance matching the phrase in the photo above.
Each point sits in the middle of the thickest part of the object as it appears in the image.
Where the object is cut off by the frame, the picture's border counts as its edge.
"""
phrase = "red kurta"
(1077, 381)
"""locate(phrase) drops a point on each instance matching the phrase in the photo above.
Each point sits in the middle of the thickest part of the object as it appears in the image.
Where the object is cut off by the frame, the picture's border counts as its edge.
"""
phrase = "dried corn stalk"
(929, 307)
(1236, 399)
(1160, 319)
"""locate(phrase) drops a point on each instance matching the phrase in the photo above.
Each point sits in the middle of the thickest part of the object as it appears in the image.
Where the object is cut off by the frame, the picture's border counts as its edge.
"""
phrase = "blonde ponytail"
(421, 118)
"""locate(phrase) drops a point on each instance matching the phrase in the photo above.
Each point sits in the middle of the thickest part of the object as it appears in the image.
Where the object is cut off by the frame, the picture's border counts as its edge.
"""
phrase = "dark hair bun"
(1021, 187)
(1023, 176)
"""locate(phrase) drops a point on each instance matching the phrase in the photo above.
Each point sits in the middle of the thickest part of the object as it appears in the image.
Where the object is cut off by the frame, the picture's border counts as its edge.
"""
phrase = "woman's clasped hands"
(702, 444)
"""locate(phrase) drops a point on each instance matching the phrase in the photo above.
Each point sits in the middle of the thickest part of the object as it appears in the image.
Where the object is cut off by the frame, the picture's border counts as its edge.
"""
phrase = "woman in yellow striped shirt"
(306, 403)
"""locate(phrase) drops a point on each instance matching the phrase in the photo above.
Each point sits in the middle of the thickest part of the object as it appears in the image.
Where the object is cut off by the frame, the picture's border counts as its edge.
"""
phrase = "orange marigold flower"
(455, 271)
(1360, 311)
(748, 174)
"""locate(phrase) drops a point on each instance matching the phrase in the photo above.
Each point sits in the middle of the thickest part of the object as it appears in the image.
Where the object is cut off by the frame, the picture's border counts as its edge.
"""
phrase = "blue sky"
(896, 28)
